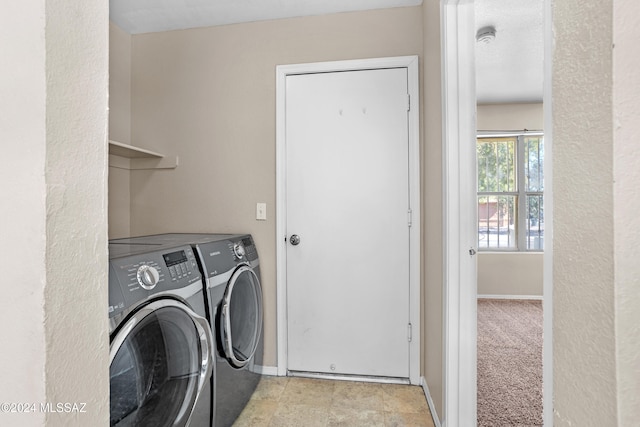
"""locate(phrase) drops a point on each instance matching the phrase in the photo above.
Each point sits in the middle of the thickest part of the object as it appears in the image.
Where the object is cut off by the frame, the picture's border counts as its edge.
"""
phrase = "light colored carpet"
(509, 363)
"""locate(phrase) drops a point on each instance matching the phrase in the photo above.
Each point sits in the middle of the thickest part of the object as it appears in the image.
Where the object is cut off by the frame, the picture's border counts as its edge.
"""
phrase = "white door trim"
(547, 291)
(459, 103)
(282, 71)
(460, 281)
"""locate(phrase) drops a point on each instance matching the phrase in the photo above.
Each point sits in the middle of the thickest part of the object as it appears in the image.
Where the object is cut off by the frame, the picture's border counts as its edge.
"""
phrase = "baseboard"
(530, 297)
(342, 377)
(432, 406)
(268, 370)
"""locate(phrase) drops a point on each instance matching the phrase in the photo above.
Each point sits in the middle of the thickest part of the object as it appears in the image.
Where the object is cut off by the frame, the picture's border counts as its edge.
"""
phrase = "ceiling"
(509, 69)
(147, 16)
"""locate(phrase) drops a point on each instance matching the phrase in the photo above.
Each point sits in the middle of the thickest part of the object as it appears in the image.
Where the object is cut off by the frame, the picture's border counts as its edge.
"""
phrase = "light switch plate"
(261, 211)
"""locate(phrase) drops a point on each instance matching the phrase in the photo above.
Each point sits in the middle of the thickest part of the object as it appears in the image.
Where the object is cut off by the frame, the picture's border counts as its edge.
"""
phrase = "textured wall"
(22, 211)
(626, 197)
(583, 245)
(53, 119)
(76, 328)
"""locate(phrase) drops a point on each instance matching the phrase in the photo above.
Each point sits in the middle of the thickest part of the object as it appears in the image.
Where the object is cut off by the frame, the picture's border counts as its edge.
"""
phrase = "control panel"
(224, 255)
(249, 248)
(179, 265)
(244, 249)
(218, 257)
(137, 277)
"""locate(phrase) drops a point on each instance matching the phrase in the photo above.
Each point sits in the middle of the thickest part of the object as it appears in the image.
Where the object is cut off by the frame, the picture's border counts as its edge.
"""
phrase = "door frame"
(457, 19)
(282, 71)
(460, 266)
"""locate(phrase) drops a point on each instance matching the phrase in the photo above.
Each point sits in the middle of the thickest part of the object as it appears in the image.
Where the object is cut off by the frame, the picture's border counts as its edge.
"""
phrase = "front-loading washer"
(161, 370)
(231, 269)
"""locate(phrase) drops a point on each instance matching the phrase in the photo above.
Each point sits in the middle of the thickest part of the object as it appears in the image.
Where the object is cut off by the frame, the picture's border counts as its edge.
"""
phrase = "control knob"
(239, 250)
(148, 277)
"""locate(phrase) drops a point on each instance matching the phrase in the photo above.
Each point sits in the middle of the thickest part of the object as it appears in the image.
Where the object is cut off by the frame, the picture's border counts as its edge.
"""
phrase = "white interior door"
(347, 199)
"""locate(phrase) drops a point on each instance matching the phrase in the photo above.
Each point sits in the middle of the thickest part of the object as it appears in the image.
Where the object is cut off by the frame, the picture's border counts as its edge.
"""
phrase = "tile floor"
(305, 402)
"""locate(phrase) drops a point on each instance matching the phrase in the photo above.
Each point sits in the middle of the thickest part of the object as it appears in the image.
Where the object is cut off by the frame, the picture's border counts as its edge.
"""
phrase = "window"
(510, 192)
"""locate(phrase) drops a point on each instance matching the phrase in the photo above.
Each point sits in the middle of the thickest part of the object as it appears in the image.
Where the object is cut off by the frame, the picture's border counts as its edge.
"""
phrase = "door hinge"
(409, 332)
(408, 102)
(409, 217)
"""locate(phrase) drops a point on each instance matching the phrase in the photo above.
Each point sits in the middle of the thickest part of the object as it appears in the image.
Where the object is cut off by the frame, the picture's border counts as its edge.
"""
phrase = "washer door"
(160, 362)
(241, 316)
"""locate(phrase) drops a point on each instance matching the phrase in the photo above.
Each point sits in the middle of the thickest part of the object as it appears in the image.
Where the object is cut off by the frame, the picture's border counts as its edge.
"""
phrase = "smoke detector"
(486, 35)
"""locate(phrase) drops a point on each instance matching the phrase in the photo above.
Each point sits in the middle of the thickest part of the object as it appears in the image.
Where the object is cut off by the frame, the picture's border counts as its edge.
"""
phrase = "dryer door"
(160, 363)
(241, 316)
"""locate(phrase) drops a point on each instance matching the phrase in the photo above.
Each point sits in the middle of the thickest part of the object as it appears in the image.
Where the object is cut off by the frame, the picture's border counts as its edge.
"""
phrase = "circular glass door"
(159, 363)
(241, 316)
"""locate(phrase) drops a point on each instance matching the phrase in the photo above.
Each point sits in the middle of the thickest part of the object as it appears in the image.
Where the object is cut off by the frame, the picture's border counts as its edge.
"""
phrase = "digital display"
(175, 258)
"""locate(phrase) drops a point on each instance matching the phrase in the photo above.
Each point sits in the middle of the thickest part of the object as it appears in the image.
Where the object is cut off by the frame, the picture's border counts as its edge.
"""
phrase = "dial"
(148, 276)
(239, 250)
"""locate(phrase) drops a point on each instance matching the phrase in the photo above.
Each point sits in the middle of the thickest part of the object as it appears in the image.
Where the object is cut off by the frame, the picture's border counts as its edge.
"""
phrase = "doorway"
(458, 39)
(337, 272)
(511, 222)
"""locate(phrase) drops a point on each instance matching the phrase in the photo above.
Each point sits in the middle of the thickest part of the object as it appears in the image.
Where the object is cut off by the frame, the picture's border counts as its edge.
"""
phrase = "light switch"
(261, 211)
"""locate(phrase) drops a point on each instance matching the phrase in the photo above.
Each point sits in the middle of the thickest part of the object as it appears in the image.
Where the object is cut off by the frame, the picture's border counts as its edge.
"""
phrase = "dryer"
(230, 267)
(161, 367)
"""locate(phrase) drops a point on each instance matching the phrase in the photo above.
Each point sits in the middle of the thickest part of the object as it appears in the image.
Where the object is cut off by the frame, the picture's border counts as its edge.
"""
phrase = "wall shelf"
(125, 156)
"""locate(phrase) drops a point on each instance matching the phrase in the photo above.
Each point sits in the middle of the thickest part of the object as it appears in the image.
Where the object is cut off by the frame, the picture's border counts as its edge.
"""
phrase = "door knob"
(294, 239)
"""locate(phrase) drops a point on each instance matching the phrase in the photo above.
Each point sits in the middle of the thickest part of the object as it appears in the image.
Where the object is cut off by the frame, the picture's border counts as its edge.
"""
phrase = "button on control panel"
(179, 265)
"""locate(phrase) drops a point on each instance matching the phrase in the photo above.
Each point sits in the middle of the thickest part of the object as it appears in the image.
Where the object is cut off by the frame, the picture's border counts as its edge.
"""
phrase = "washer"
(161, 366)
(231, 269)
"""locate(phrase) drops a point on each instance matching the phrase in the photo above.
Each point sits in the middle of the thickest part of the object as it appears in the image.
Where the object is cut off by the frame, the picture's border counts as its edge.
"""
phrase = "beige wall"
(433, 326)
(119, 203)
(502, 273)
(119, 84)
(584, 305)
(626, 204)
(510, 117)
(119, 129)
(53, 124)
(513, 274)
